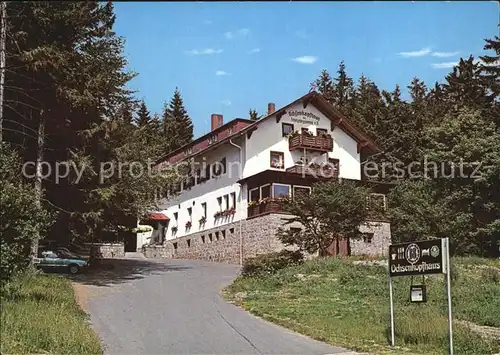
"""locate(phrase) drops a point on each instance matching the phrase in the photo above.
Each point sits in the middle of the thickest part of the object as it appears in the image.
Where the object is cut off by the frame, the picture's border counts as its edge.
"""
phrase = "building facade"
(223, 210)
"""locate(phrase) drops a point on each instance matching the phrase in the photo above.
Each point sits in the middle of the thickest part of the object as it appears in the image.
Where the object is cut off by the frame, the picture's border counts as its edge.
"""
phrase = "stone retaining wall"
(224, 244)
(106, 250)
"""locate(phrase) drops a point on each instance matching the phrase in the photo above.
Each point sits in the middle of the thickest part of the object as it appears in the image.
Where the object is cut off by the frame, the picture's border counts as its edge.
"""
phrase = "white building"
(244, 161)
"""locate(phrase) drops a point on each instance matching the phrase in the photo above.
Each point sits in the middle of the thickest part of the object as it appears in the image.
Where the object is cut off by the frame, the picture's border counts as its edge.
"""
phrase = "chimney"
(217, 121)
(271, 108)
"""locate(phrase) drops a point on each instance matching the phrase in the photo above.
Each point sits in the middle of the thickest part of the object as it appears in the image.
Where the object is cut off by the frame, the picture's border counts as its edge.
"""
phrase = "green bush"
(271, 262)
(491, 275)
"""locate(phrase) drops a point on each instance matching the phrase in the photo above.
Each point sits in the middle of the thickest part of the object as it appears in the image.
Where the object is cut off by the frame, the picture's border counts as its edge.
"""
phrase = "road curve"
(174, 307)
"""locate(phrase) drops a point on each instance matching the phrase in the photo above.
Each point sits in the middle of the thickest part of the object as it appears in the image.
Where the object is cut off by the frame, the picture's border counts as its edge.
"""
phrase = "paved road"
(174, 307)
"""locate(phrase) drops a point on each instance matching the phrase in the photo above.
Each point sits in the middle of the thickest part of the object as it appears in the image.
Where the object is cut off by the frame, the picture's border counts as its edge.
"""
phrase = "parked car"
(60, 259)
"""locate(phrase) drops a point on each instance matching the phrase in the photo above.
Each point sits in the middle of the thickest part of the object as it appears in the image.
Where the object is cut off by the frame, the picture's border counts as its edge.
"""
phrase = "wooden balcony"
(327, 171)
(263, 208)
(322, 143)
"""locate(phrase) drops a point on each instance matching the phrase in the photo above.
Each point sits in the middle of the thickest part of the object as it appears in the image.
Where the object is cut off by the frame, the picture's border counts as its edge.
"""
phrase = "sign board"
(418, 293)
(417, 258)
(303, 117)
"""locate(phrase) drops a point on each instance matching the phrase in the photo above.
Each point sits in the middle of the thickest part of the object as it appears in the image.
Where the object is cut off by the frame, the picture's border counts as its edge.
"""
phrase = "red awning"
(156, 216)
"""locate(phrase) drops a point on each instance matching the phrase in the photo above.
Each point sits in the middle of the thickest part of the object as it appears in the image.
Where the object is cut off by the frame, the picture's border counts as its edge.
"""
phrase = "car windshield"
(67, 254)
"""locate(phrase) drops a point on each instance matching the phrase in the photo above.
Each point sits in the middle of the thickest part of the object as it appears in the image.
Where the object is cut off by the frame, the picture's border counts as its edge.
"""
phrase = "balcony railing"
(263, 208)
(321, 143)
(326, 171)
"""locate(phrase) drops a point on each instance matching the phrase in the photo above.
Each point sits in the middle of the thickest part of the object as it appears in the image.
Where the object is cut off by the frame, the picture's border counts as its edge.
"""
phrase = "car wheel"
(73, 269)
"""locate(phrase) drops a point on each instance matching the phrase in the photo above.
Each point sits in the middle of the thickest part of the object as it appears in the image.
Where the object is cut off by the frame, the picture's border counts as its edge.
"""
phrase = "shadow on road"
(110, 272)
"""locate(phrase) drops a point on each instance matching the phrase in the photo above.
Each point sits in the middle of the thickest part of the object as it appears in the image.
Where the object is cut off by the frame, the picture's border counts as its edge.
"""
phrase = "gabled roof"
(332, 114)
(241, 126)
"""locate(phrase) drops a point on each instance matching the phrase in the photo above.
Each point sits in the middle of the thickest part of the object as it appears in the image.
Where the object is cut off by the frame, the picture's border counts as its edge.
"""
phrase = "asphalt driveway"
(174, 307)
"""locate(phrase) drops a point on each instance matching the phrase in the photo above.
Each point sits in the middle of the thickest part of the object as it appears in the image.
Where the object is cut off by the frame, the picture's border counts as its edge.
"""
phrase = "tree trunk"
(3, 15)
(38, 177)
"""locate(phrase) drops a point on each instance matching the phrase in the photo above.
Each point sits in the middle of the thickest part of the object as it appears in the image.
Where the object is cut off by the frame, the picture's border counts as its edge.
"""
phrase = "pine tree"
(177, 125)
(324, 85)
(254, 116)
(143, 115)
(344, 88)
(465, 86)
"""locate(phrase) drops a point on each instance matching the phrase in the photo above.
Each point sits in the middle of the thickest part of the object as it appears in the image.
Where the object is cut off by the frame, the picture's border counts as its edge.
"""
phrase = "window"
(188, 242)
(204, 209)
(265, 191)
(216, 235)
(205, 175)
(210, 237)
(231, 230)
(175, 246)
(254, 194)
(286, 129)
(176, 216)
(226, 202)
(304, 130)
(233, 200)
(203, 239)
(197, 175)
(367, 237)
(219, 202)
(277, 160)
(281, 190)
(223, 234)
(223, 163)
(217, 168)
(320, 131)
(190, 213)
(299, 191)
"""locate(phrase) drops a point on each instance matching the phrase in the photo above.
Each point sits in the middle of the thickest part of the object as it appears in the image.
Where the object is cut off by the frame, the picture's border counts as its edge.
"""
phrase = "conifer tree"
(254, 116)
(344, 88)
(177, 125)
(324, 85)
(143, 115)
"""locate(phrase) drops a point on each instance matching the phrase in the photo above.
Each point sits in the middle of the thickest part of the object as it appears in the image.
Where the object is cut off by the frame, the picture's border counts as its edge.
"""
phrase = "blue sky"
(228, 57)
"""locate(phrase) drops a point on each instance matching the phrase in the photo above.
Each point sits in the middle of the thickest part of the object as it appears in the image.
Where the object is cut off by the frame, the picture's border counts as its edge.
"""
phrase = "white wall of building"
(256, 156)
(208, 192)
(268, 137)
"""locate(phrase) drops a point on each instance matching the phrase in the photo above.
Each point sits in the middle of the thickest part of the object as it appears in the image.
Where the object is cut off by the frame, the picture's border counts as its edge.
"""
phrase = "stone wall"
(106, 250)
(224, 244)
(375, 241)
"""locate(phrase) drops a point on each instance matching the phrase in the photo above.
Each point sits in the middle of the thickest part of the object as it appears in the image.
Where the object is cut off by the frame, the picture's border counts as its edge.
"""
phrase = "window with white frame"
(281, 190)
(226, 202)
(219, 202)
(255, 194)
(265, 191)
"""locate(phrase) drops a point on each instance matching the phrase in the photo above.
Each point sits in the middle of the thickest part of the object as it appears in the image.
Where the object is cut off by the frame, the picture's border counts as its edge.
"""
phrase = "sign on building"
(417, 258)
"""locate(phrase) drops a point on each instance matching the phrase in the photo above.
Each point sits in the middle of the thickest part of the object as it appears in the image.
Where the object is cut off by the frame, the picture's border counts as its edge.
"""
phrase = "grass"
(348, 305)
(40, 315)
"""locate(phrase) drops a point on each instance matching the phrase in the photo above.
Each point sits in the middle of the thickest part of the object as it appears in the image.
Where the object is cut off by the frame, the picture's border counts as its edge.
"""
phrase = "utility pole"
(3, 31)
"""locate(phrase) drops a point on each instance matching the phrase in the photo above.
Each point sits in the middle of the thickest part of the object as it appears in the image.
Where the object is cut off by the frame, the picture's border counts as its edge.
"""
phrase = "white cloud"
(306, 59)
(255, 50)
(444, 54)
(420, 53)
(221, 73)
(226, 102)
(443, 65)
(239, 33)
(206, 51)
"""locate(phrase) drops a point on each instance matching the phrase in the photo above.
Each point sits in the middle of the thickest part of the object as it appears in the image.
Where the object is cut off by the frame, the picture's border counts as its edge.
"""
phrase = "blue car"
(59, 260)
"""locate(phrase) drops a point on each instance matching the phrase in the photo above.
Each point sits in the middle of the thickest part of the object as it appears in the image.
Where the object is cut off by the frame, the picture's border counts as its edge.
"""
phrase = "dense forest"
(65, 100)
